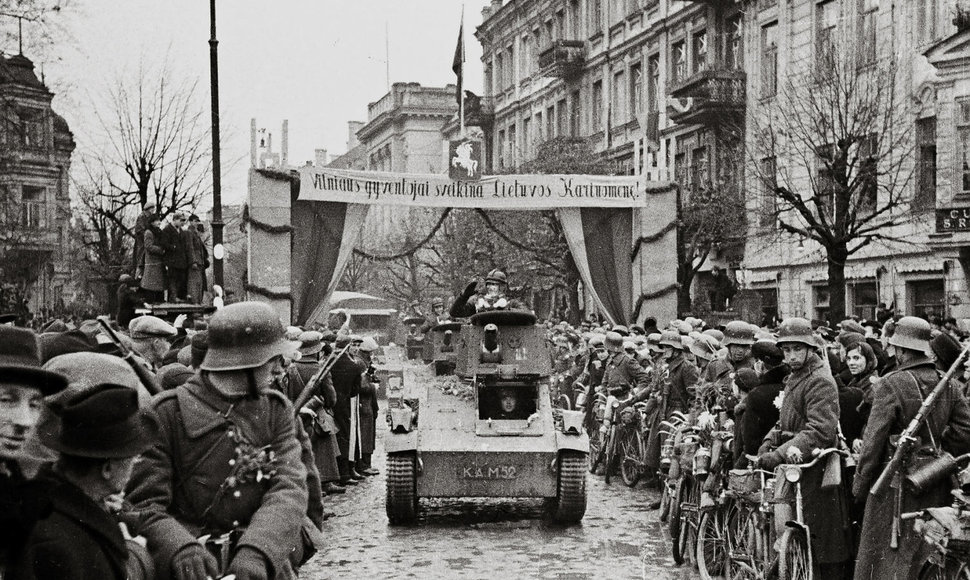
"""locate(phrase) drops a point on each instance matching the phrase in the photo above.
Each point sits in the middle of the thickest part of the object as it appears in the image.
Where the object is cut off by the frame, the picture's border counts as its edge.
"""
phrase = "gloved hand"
(194, 562)
(249, 564)
(770, 460)
(471, 289)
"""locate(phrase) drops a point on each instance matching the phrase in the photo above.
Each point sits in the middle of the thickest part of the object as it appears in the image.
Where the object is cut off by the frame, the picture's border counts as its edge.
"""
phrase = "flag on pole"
(458, 64)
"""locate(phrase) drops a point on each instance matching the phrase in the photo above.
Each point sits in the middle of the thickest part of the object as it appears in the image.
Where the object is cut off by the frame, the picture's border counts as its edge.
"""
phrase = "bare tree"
(835, 146)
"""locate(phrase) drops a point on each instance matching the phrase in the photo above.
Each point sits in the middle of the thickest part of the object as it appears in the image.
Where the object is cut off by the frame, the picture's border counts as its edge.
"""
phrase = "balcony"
(563, 59)
(715, 95)
(479, 111)
(718, 3)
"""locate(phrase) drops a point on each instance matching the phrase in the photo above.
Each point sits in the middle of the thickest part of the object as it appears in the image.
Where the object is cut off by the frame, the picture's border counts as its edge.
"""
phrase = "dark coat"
(760, 413)
(346, 374)
(79, 541)
(855, 403)
(22, 503)
(153, 273)
(810, 415)
(367, 403)
(896, 400)
(128, 300)
(177, 247)
(623, 372)
(683, 374)
(179, 477)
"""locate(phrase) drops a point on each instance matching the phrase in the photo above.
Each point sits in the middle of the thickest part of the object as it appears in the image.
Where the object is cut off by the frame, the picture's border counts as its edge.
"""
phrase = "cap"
(150, 327)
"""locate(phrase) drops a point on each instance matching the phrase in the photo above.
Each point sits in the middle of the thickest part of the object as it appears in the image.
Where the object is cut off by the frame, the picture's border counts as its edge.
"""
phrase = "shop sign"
(954, 219)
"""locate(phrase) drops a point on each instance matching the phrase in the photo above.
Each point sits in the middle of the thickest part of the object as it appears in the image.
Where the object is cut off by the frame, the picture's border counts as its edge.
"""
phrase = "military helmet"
(438, 301)
(614, 341)
(245, 335)
(671, 338)
(913, 333)
(705, 347)
(498, 276)
(796, 330)
(621, 330)
(738, 332)
(653, 341)
(596, 341)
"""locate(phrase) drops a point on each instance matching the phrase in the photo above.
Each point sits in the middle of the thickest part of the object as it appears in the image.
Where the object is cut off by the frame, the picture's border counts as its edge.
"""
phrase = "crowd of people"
(170, 258)
(190, 450)
(789, 391)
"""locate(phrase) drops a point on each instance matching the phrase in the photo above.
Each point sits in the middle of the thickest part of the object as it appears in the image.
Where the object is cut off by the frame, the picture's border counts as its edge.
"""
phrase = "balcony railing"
(715, 93)
(563, 58)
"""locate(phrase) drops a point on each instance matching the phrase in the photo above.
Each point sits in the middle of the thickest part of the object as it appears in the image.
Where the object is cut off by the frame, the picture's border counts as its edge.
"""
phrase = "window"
(539, 137)
(769, 305)
(679, 70)
(526, 137)
(560, 25)
(527, 59)
(680, 169)
(33, 207)
(769, 60)
(863, 299)
(700, 169)
(25, 127)
(868, 11)
(550, 33)
(503, 160)
(734, 48)
(765, 4)
(925, 298)
(617, 106)
(562, 126)
(868, 173)
(510, 66)
(595, 17)
(513, 146)
(699, 50)
(574, 114)
(925, 197)
(653, 83)
(550, 122)
(636, 90)
(826, 24)
(926, 11)
(769, 197)
(574, 24)
(820, 296)
(597, 106)
(963, 145)
(632, 6)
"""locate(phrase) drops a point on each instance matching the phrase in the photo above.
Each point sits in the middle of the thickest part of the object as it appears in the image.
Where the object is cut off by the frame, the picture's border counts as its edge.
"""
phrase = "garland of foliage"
(266, 292)
(410, 251)
(263, 226)
(652, 238)
(490, 225)
(651, 295)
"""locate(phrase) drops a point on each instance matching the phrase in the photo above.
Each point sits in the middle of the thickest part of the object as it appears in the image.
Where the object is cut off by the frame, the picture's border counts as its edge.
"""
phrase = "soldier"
(682, 374)
(471, 300)
(896, 399)
(346, 374)
(622, 372)
(23, 386)
(808, 420)
(99, 434)
(227, 465)
(367, 405)
(437, 316)
(738, 338)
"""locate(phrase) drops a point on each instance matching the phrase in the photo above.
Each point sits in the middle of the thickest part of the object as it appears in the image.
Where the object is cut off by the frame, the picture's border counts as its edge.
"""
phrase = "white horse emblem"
(463, 158)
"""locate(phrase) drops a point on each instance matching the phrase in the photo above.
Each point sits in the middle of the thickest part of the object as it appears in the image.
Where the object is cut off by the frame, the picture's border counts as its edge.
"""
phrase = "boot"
(365, 464)
(344, 467)
(353, 473)
(333, 488)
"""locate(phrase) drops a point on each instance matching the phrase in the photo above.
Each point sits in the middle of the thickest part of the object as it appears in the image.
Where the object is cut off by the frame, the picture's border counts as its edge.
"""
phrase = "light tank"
(504, 440)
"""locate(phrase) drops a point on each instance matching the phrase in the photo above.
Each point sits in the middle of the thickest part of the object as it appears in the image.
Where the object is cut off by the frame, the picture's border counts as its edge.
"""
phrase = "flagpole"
(461, 89)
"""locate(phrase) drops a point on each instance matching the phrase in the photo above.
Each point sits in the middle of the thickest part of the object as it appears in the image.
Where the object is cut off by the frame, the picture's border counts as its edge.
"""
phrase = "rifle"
(144, 375)
(311, 385)
(908, 437)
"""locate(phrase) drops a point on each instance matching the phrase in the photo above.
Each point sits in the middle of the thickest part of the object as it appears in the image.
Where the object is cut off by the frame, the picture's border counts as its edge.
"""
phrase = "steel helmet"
(596, 341)
(738, 332)
(497, 275)
(245, 335)
(913, 333)
(629, 345)
(705, 347)
(438, 301)
(621, 329)
(614, 341)
(671, 338)
(653, 341)
(796, 330)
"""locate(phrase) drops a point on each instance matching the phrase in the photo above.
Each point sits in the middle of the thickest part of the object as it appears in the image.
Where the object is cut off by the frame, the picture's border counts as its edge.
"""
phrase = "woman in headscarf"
(855, 398)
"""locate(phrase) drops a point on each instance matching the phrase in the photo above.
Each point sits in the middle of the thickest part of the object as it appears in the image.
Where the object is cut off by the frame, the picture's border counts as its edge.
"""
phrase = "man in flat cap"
(99, 434)
(151, 337)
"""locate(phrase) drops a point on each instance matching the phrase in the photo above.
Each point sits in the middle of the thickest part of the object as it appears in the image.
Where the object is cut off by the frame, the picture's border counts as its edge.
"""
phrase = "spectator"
(177, 248)
(153, 271)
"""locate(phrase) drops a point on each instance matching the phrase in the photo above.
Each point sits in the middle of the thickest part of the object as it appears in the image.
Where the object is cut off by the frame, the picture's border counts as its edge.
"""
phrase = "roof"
(19, 69)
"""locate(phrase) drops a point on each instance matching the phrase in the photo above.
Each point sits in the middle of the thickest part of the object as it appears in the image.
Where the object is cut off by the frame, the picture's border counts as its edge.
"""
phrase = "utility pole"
(218, 251)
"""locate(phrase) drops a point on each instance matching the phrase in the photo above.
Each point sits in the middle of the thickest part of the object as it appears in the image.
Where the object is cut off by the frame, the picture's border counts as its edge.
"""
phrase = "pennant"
(458, 63)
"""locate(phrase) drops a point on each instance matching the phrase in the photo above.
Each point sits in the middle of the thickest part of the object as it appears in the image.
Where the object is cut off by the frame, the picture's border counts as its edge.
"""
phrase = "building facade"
(35, 161)
(671, 88)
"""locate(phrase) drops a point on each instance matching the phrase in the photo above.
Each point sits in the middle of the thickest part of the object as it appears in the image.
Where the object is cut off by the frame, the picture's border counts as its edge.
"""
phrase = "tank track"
(570, 504)
(402, 500)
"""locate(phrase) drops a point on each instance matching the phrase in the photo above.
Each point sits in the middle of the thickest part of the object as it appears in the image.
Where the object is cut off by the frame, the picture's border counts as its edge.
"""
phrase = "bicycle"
(945, 529)
(608, 430)
(685, 501)
(633, 446)
(716, 508)
(595, 436)
(669, 469)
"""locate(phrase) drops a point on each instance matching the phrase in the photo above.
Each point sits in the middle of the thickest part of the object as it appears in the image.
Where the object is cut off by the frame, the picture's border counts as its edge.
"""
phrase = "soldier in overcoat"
(896, 399)
(682, 375)
(622, 372)
(808, 420)
(227, 464)
(738, 339)
(346, 376)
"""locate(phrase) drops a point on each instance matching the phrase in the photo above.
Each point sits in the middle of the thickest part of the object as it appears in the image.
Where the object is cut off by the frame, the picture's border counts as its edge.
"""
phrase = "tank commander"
(472, 300)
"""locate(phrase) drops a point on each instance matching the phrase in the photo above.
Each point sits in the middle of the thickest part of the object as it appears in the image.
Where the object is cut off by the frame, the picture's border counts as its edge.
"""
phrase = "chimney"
(352, 128)
(321, 159)
(285, 145)
(253, 161)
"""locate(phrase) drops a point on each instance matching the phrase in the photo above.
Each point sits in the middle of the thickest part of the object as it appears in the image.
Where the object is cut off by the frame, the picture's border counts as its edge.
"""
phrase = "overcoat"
(682, 376)
(346, 376)
(153, 274)
(808, 419)
(760, 413)
(78, 541)
(324, 442)
(177, 247)
(368, 413)
(896, 399)
(623, 371)
(182, 481)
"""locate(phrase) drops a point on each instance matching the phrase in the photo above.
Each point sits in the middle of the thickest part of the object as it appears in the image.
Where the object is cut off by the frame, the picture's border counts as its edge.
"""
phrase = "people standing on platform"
(153, 281)
(177, 257)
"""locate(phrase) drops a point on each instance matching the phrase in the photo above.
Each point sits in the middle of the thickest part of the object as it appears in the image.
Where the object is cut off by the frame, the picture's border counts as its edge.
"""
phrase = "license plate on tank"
(487, 472)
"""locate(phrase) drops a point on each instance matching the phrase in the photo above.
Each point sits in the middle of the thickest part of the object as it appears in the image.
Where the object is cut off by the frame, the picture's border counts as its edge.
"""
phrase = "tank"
(443, 340)
(504, 441)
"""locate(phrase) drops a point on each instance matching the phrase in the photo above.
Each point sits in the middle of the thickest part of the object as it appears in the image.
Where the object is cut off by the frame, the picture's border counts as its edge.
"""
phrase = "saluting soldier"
(227, 465)
(896, 399)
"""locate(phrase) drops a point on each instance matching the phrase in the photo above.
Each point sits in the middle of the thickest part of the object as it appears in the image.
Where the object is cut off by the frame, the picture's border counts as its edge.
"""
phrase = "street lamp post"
(217, 248)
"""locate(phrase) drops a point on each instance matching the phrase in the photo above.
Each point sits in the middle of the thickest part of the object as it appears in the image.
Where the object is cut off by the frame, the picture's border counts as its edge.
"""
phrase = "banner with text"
(527, 192)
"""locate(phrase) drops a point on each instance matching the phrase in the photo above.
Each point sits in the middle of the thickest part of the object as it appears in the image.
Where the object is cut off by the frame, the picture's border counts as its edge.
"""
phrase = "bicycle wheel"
(665, 494)
(748, 548)
(794, 558)
(595, 446)
(690, 513)
(711, 542)
(631, 456)
(609, 454)
(675, 521)
(952, 570)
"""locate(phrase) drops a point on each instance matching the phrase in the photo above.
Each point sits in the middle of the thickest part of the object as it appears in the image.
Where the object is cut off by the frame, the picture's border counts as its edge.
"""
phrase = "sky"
(317, 63)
